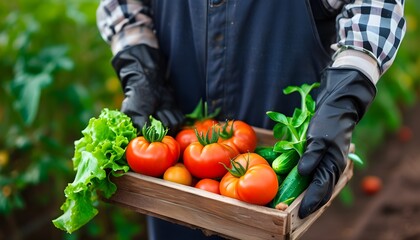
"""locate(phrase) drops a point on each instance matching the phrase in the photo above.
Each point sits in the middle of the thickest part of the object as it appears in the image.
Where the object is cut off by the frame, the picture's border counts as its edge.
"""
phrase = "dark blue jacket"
(239, 55)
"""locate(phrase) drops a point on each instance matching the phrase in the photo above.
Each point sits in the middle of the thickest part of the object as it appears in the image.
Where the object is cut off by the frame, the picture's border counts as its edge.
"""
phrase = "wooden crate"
(212, 213)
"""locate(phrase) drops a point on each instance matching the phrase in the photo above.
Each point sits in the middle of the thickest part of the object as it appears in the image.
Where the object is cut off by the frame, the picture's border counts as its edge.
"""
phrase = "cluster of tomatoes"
(213, 156)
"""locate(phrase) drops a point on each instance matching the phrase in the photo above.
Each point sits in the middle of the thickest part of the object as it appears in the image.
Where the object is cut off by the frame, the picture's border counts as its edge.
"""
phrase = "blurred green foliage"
(56, 75)
(398, 91)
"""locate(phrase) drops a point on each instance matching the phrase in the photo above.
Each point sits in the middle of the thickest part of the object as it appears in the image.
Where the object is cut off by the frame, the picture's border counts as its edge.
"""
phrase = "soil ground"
(394, 212)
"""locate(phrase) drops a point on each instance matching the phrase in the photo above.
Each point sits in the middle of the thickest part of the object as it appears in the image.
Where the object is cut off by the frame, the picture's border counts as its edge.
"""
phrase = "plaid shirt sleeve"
(373, 27)
(124, 23)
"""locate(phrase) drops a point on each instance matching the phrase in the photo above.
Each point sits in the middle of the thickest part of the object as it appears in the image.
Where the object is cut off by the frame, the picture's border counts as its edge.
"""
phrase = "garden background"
(56, 75)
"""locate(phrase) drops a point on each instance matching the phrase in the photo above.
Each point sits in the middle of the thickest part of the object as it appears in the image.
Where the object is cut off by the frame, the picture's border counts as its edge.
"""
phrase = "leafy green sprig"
(292, 130)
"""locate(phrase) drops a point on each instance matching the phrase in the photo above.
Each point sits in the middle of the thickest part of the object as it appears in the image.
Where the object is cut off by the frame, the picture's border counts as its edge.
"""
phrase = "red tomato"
(405, 134)
(205, 161)
(188, 135)
(371, 185)
(239, 135)
(185, 137)
(209, 185)
(205, 124)
(179, 174)
(255, 182)
(152, 158)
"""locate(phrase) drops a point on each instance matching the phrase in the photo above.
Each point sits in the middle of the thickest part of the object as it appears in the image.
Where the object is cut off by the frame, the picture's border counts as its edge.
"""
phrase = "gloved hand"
(345, 95)
(140, 71)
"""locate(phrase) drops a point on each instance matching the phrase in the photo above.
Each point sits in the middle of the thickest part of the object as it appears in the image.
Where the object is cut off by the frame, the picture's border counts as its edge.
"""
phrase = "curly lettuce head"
(98, 153)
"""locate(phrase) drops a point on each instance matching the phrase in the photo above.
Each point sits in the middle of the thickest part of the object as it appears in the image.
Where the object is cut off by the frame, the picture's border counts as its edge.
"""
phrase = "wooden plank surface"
(299, 226)
(226, 216)
(265, 137)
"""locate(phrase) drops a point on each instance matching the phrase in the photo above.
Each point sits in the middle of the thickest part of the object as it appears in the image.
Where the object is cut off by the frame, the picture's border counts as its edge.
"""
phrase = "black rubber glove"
(345, 95)
(140, 70)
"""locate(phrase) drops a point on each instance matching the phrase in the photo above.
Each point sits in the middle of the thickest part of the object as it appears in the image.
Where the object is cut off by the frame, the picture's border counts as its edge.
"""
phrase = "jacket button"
(216, 3)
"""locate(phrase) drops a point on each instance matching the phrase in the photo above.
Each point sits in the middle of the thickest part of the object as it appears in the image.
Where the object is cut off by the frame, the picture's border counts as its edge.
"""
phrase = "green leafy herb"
(99, 153)
(292, 130)
(200, 113)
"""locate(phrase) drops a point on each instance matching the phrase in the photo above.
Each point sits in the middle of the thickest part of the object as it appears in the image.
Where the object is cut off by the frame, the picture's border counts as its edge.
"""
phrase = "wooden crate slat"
(191, 205)
(211, 224)
(299, 226)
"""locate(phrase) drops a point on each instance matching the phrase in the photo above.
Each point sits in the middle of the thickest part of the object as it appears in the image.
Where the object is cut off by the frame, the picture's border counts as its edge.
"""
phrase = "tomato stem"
(200, 113)
(237, 170)
(206, 139)
(155, 132)
(226, 133)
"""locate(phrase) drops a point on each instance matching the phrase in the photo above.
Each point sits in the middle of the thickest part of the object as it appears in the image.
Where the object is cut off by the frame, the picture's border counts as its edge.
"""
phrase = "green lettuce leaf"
(99, 153)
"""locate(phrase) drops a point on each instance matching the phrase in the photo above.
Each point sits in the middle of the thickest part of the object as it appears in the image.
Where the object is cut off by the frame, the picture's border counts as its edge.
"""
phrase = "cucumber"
(267, 153)
(292, 186)
(285, 162)
(280, 178)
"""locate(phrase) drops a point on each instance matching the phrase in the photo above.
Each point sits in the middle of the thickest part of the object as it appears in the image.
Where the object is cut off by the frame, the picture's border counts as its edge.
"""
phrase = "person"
(238, 55)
